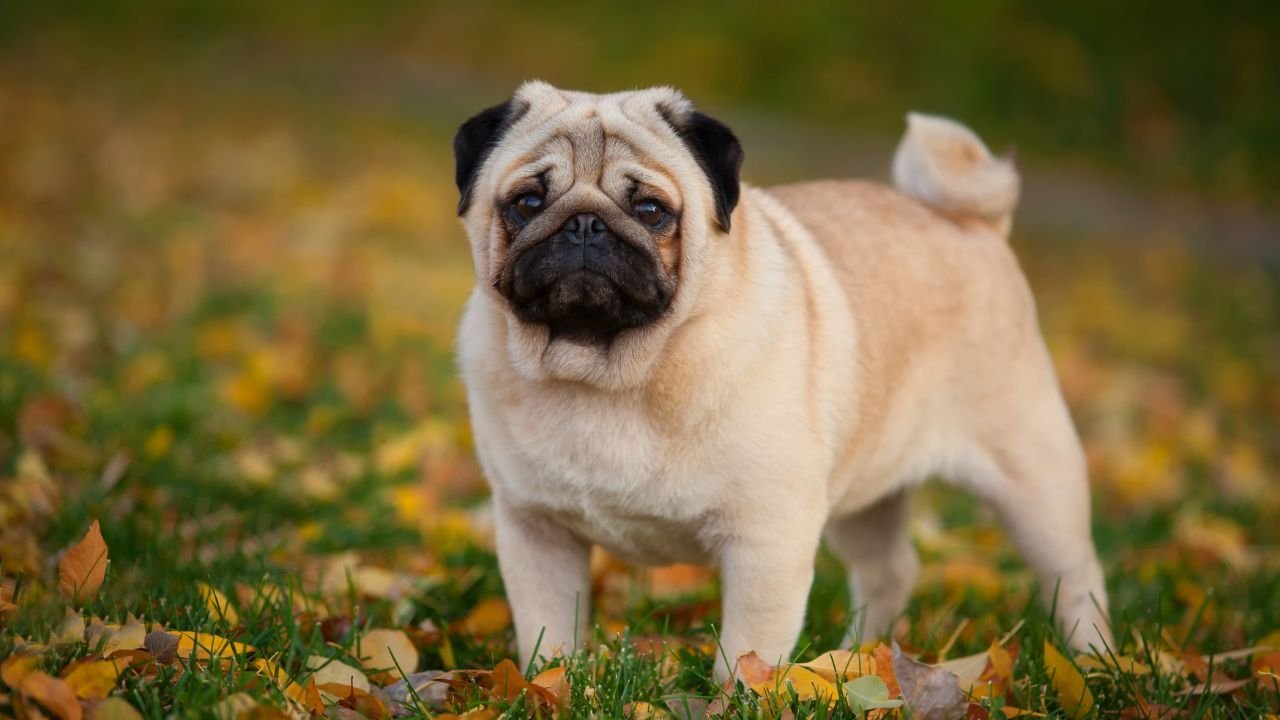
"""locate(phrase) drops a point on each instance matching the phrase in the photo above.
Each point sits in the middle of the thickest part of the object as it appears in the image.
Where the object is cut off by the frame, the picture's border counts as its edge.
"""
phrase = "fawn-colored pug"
(681, 367)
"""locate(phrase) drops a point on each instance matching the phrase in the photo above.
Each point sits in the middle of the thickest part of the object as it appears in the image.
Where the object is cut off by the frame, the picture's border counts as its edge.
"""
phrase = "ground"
(226, 331)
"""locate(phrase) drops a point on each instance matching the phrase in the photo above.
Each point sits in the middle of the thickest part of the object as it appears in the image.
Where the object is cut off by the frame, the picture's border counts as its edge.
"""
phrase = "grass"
(226, 326)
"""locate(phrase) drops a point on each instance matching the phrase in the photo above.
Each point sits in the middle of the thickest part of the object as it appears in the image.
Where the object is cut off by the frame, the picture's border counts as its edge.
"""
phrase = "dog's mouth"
(585, 283)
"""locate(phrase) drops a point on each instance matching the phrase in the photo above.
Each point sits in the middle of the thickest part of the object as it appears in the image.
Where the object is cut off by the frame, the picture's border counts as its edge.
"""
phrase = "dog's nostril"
(585, 225)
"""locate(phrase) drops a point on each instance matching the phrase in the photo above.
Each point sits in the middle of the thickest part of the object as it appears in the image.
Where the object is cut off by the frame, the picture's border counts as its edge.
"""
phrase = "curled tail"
(946, 166)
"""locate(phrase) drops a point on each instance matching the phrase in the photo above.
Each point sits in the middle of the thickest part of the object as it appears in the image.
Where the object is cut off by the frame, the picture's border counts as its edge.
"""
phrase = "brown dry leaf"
(430, 688)
(17, 666)
(206, 646)
(92, 679)
(83, 569)
(841, 665)
(388, 654)
(931, 692)
(7, 608)
(113, 709)
(52, 694)
(488, 617)
(162, 646)
(1217, 686)
(1073, 694)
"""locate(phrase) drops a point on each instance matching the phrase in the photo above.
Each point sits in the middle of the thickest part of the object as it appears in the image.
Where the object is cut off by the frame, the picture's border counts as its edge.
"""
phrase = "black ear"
(473, 143)
(719, 154)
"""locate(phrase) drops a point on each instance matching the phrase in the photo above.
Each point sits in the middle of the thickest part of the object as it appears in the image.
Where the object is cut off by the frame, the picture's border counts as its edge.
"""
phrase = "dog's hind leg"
(1038, 483)
(876, 549)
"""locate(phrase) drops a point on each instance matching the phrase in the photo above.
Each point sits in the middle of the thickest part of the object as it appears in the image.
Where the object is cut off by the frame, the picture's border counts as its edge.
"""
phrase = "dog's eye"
(649, 212)
(526, 206)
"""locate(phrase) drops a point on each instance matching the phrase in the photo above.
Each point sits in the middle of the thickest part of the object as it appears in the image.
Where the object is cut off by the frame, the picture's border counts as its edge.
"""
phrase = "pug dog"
(682, 368)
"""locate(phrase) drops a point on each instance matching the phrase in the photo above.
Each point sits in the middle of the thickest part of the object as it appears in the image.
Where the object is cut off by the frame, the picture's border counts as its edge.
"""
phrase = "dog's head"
(586, 212)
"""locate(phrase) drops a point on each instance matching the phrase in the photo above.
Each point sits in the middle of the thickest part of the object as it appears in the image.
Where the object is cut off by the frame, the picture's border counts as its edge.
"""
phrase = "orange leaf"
(752, 669)
(92, 679)
(553, 680)
(52, 694)
(883, 655)
(17, 666)
(508, 682)
(84, 567)
(487, 618)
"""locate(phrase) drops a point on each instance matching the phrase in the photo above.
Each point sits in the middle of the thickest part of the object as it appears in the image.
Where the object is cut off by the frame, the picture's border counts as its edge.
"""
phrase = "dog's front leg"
(765, 579)
(545, 568)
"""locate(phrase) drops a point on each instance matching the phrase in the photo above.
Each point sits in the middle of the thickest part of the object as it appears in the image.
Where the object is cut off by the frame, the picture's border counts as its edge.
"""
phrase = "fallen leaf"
(430, 688)
(553, 680)
(841, 665)
(233, 706)
(477, 714)
(17, 666)
(272, 670)
(327, 670)
(931, 692)
(643, 711)
(70, 630)
(1073, 694)
(92, 679)
(113, 708)
(83, 569)
(52, 694)
(206, 646)
(883, 655)
(752, 669)
(388, 654)
(489, 617)
(220, 609)
(867, 693)
(1216, 687)
(162, 646)
(363, 702)
(805, 683)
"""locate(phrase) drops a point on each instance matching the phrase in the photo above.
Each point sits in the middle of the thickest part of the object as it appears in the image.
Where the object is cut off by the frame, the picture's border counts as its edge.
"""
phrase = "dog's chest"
(600, 467)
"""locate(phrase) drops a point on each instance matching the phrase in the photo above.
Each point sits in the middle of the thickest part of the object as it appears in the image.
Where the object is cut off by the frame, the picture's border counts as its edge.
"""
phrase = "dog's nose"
(584, 227)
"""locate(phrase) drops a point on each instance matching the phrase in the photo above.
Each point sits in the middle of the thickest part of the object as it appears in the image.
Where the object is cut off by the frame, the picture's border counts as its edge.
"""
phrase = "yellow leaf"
(113, 709)
(279, 677)
(52, 694)
(808, 684)
(233, 706)
(1073, 694)
(129, 636)
(841, 665)
(84, 567)
(93, 679)
(489, 617)
(203, 646)
(388, 654)
(219, 607)
(644, 711)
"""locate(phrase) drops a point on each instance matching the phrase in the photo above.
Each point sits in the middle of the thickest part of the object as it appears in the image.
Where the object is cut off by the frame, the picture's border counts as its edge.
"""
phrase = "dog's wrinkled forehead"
(656, 133)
